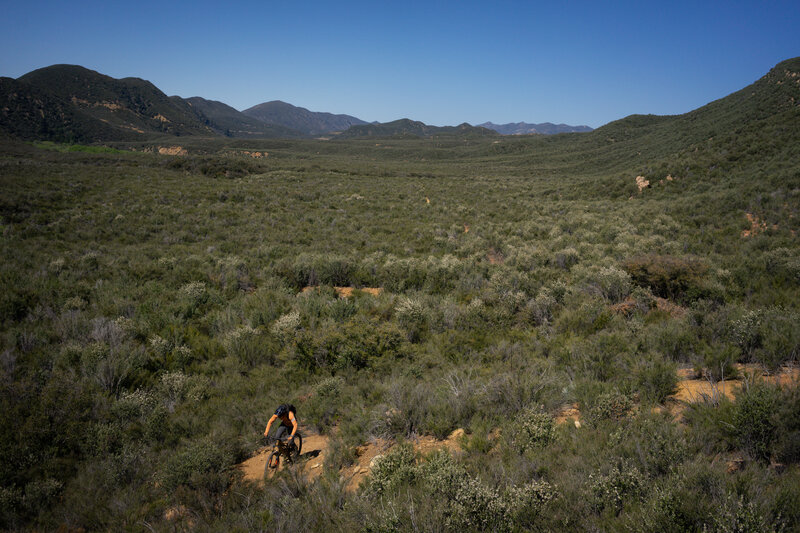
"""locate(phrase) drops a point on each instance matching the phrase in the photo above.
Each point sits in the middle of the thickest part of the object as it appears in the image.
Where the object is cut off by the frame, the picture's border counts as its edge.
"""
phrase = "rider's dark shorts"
(283, 432)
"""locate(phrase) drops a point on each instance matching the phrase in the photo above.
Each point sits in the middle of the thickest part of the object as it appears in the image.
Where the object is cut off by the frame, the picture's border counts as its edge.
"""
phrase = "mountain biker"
(286, 413)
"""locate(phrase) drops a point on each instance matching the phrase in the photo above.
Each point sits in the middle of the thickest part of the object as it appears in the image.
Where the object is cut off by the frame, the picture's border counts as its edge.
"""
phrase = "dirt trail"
(316, 448)
(311, 458)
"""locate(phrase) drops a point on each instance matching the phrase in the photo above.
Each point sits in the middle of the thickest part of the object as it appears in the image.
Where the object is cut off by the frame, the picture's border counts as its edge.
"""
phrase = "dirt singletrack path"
(311, 459)
(316, 448)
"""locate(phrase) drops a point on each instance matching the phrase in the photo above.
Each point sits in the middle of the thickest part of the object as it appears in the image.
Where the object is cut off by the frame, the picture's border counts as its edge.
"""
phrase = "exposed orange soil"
(311, 459)
(346, 292)
(568, 413)
(495, 257)
(674, 310)
(316, 447)
(256, 155)
(692, 389)
(172, 150)
(756, 226)
(628, 306)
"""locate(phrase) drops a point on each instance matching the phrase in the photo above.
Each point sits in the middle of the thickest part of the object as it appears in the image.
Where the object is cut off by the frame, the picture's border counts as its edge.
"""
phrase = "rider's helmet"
(282, 410)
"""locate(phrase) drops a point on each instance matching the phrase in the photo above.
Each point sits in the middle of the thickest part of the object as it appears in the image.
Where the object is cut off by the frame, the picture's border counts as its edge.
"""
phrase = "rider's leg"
(282, 432)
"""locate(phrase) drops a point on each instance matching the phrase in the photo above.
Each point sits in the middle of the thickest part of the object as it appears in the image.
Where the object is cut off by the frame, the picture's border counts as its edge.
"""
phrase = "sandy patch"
(642, 183)
(756, 226)
(495, 257)
(172, 150)
(346, 292)
(693, 389)
(568, 414)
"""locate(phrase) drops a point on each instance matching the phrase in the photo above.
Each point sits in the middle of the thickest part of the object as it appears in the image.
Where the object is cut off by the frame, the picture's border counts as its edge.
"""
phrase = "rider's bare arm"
(269, 425)
(294, 424)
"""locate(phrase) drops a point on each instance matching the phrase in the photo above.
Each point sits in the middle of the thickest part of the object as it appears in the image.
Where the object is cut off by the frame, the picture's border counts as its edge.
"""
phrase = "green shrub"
(675, 278)
(613, 283)
(717, 362)
(442, 474)
(623, 484)
(566, 258)
(478, 507)
(392, 470)
(194, 466)
(324, 406)
(739, 516)
(754, 419)
(612, 405)
(532, 429)
(787, 417)
(412, 316)
(655, 378)
(250, 346)
(653, 443)
(525, 503)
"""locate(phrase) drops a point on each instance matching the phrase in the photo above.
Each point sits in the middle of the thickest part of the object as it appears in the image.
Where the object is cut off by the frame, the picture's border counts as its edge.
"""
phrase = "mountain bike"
(286, 448)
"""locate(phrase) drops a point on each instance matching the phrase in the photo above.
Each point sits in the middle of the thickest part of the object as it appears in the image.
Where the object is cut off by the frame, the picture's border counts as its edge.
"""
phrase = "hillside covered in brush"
(523, 128)
(227, 121)
(311, 123)
(412, 128)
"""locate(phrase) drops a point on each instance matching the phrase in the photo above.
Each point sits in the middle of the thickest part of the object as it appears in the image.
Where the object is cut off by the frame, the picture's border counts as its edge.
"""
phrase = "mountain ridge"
(406, 127)
(312, 123)
(524, 128)
(70, 103)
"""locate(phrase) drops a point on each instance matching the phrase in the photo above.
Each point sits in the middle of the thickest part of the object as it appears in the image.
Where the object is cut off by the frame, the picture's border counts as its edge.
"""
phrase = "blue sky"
(441, 62)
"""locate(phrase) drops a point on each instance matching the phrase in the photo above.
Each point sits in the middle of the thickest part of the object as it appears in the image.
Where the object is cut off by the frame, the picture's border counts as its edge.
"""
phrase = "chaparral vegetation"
(157, 308)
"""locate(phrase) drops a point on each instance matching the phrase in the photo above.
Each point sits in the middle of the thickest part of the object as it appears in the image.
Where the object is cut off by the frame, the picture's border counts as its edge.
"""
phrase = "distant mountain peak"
(283, 114)
(523, 128)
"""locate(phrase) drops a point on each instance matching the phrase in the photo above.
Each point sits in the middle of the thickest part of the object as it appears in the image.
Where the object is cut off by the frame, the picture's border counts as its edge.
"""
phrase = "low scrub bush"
(392, 470)
(622, 485)
(716, 362)
(655, 378)
(532, 429)
(195, 466)
(754, 419)
(652, 443)
(675, 278)
(611, 405)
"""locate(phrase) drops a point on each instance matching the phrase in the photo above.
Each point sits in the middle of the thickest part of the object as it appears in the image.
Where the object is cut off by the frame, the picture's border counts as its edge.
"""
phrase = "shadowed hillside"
(129, 104)
(301, 119)
(411, 128)
(227, 121)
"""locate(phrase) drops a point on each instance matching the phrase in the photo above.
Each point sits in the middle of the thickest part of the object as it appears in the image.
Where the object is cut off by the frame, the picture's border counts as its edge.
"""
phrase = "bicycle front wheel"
(273, 460)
